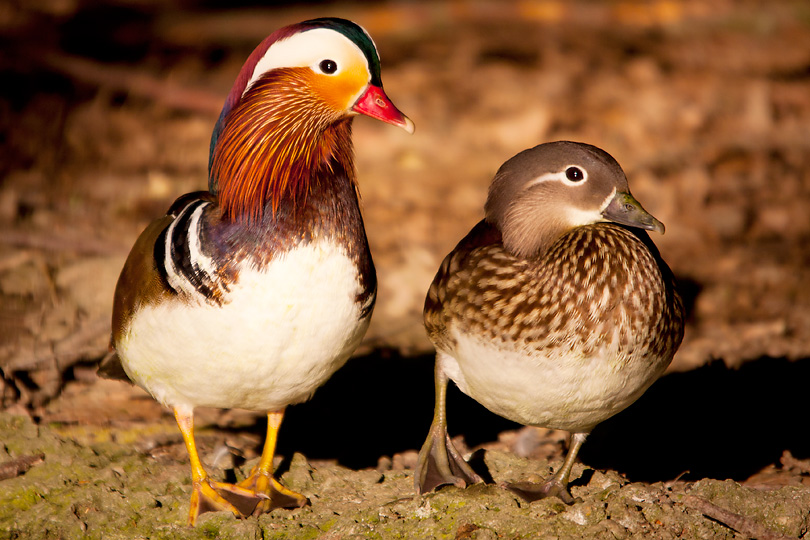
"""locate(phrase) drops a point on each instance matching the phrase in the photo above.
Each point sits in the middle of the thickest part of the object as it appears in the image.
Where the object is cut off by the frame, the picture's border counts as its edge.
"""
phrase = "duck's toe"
(210, 496)
(531, 492)
(273, 493)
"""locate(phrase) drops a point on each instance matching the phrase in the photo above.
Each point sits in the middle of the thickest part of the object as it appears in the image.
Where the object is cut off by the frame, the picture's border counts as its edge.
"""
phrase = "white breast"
(280, 334)
(551, 388)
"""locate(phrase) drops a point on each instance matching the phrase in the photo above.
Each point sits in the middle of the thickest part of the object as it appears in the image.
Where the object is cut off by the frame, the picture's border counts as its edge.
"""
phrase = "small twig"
(741, 524)
(16, 467)
(675, 480)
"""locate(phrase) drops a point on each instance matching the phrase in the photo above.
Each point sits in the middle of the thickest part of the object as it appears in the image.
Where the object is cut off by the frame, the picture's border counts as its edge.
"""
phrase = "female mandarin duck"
(253, 294)
(556, 310)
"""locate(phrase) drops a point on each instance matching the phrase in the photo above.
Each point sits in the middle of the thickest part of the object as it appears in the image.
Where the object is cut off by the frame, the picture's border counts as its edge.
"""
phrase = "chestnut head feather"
(288, 116)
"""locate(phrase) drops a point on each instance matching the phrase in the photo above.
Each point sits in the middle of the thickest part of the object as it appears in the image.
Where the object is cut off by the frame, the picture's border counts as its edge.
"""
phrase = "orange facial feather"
(275, 139)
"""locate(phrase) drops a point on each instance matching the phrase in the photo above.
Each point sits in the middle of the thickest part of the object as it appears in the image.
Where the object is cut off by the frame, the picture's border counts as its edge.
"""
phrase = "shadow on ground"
(712, 422)
(379, 405)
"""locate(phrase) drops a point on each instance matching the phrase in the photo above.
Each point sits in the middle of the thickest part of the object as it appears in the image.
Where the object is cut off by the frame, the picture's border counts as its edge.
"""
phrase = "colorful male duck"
(252, 294)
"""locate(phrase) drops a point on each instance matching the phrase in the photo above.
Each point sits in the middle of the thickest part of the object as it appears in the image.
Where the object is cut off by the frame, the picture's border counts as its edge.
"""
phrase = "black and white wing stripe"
(182, 260)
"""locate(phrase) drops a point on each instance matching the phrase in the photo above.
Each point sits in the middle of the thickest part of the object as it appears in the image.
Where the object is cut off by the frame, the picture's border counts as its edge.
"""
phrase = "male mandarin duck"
(556, 310)
(252, 294)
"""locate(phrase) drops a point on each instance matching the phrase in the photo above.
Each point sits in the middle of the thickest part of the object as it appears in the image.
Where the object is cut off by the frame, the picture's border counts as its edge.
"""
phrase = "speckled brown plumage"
(548, 301)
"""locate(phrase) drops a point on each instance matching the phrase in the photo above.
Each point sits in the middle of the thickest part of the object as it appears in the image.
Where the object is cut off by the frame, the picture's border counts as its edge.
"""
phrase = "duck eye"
(328, 66)
(575, 174)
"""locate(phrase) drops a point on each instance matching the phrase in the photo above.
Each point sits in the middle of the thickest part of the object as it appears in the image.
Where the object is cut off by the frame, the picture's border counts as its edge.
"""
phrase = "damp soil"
(104, 488)
(106, 109)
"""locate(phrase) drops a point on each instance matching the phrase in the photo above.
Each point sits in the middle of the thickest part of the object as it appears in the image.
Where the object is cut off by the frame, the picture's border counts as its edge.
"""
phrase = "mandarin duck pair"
(556, 310)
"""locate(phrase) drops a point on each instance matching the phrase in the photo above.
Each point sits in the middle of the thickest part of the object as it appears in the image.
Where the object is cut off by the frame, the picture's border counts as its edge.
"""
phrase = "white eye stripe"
(309, 49)
(547, 177)
(561, 177)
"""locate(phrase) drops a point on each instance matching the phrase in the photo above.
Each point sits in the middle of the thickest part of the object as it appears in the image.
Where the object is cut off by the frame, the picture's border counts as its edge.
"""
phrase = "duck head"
(288, 116)
(546, 191)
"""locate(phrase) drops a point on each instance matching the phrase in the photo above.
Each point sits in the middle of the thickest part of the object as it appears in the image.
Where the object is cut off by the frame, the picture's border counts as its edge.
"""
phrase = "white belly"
(550, 389)
(281, 333)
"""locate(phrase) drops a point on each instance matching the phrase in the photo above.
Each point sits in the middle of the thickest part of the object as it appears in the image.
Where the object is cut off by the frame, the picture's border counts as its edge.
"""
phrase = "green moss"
(23, 499)
(327, 524)
(209, 530)
(111, 495)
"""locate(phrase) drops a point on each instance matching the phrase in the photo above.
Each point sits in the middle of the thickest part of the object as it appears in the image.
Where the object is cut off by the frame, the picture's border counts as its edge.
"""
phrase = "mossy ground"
(109, 491)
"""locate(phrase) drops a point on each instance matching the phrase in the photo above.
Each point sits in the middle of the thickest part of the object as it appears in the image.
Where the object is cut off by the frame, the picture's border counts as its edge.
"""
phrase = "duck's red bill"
(375, 103)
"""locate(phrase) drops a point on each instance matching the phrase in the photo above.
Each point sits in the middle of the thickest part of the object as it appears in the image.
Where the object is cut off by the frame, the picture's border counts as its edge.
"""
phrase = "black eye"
(328, 66)
(574, 174)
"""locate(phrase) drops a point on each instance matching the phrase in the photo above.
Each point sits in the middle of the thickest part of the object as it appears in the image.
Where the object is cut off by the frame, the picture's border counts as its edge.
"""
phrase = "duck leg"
(557, 485)
(439, 462)
(208, 495)
(261, 479)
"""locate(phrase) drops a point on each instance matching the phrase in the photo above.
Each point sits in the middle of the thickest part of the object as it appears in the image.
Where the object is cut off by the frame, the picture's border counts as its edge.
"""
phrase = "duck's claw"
(272, 493)
(440, 464)
(557, 485)
(210, 496)
(531, 492)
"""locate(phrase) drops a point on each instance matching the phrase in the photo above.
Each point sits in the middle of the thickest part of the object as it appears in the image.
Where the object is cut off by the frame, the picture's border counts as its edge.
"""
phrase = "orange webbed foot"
(210, 496)
(273, 493)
